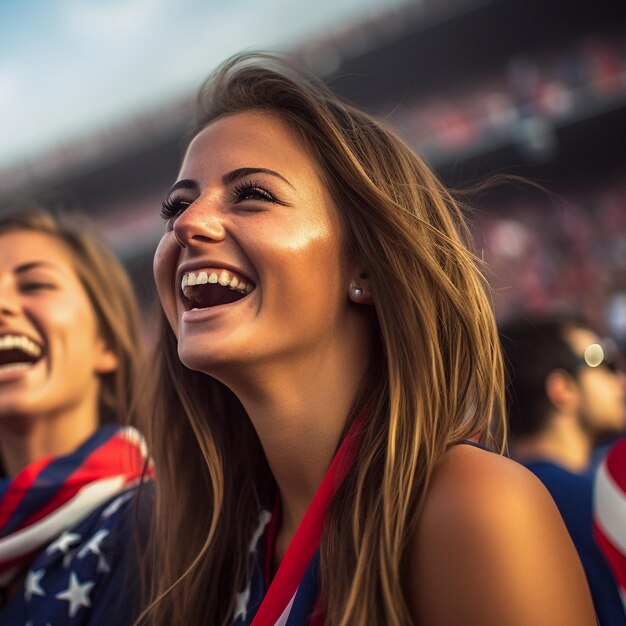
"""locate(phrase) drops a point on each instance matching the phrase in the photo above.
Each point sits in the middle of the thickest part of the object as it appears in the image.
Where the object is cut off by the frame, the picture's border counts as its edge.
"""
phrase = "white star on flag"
(241, 602)
(64, 542)
(67, 559)
(243, 597)
(264, 519)
(116, 504)
(93, 545)
(32, 586)
(103, 566)
(76, 594)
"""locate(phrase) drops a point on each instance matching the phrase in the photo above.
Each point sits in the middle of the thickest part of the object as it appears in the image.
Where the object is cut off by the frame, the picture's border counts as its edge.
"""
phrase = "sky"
(71, 67)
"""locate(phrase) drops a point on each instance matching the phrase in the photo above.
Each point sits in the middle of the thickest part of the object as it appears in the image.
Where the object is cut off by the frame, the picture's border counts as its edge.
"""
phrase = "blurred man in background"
(565, 394)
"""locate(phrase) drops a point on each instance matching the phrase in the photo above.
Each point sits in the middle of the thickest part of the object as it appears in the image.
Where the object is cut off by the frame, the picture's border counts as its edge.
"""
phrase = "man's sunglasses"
(598, 354)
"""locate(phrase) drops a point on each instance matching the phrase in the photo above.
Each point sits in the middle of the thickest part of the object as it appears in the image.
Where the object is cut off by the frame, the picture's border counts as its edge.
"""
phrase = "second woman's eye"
(36, 286)
(171, 208)
(247, 190)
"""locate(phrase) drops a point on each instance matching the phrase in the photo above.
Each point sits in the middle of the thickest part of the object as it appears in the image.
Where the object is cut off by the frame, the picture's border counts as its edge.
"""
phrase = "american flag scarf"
(51, 495)
(609, 512)
(291, 598)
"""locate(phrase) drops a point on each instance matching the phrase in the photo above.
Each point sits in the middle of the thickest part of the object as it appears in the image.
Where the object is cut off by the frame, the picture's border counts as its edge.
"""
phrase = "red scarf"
(277, 604)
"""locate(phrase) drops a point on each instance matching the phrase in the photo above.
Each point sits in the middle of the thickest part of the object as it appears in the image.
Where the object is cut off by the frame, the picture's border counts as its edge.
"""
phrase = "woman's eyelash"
(36, 285)
(247, 190)
(173, 207)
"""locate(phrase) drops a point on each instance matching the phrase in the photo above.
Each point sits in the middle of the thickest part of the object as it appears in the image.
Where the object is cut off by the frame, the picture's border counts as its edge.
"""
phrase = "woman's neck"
(25, 439)
(299, 411)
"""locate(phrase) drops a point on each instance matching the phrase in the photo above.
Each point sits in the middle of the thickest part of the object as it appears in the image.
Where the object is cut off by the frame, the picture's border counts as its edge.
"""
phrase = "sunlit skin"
(52, 405)
(491, 549)
(295, 348)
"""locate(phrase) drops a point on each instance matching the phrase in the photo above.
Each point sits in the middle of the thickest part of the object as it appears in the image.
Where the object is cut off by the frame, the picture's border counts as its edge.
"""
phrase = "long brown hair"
(111, 296)
(437, 379)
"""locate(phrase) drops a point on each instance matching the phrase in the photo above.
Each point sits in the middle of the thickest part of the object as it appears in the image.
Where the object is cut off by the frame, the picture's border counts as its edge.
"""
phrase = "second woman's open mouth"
(18, 353)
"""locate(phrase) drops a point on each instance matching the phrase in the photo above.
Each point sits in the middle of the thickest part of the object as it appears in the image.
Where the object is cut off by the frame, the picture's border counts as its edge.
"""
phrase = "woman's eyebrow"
(241, 172)
(184, 183)
(31, 265)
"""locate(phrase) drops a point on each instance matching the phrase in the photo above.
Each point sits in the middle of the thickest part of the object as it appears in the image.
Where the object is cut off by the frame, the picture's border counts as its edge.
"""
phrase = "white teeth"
(14, 367)
(20, 342)
(225, 279)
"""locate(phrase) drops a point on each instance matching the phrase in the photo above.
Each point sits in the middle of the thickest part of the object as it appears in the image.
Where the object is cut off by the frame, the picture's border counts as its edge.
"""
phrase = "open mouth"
(213, 287)
(18, 352)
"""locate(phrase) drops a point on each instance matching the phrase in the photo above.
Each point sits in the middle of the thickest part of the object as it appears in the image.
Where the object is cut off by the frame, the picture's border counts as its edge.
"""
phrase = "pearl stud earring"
(357, 291)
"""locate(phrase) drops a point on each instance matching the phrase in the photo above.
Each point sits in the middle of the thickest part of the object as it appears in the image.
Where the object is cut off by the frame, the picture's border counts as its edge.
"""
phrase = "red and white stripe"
(109, 470)
(610, 513)
(277, 604)
(22, 543)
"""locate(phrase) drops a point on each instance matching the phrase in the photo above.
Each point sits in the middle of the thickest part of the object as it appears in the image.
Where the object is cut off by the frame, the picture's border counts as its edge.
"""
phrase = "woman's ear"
(106, 360)
(359, 290)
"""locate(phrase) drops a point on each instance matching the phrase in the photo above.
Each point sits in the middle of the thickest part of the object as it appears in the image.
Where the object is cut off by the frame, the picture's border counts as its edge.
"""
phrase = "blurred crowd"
(521, 103)
(549, 252)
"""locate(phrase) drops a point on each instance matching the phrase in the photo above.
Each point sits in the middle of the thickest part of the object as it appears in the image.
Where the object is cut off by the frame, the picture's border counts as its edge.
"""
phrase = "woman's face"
(50, 349)
(251, 268)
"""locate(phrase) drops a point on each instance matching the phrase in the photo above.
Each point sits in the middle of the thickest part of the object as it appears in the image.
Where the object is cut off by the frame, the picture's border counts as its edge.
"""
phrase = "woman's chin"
(211, 361)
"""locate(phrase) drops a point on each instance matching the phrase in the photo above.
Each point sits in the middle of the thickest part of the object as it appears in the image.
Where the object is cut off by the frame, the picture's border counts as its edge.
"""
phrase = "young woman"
(69, 359)
(328, 344)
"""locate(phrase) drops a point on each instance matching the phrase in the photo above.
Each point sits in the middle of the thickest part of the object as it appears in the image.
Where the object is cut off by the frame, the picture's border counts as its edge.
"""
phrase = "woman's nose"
(8, 303)
(201, 222)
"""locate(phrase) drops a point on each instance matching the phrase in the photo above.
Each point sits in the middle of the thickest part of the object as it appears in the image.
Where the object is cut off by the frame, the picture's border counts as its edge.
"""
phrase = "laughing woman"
(69, 357)
(328, 364)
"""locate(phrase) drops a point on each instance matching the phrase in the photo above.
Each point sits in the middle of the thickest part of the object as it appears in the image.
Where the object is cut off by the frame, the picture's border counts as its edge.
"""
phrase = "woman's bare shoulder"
(491, 548)
(467, 475)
